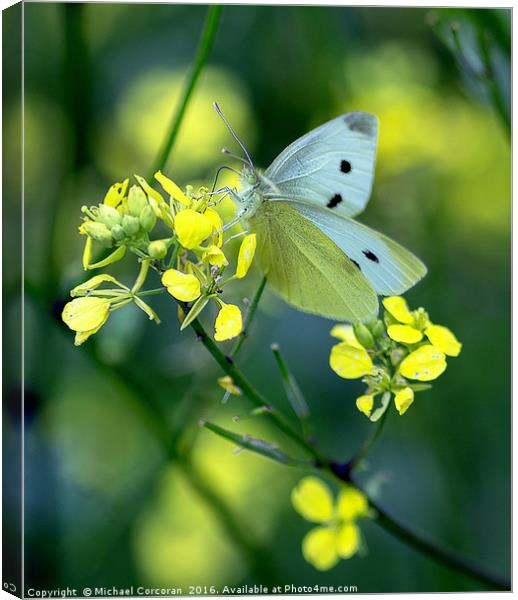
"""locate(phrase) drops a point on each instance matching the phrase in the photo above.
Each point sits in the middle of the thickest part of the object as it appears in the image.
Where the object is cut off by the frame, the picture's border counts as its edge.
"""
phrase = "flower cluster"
(187, 253)
(338, 535)
(392, 355)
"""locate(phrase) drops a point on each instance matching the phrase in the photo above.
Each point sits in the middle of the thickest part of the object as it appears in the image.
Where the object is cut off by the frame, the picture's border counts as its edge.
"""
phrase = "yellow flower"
(229, 323)
(404, 333)
(350, 362)
(192, 228)
(312, 499)
(86, 316)
(338, 536)
(365, 403)
(214, 256)
(398, 308)
(246, 255)
(116, 193)
(403, 399)
(155, 197)
(443, 339)
(227, 383)
(181, 286)
(346, 334)
(424, 364)
(171, 188)
(87, 252)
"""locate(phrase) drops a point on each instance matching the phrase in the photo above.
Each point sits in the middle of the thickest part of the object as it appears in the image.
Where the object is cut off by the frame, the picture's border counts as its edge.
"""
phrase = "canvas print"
(256, 299)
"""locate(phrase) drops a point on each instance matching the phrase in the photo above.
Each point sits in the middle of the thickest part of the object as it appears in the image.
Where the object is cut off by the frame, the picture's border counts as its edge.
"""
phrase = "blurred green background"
(105, 505)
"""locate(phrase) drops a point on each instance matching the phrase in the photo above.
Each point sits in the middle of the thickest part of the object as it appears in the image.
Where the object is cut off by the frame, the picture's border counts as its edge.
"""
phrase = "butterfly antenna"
(227, 152)
(223, 168)
(234, 135)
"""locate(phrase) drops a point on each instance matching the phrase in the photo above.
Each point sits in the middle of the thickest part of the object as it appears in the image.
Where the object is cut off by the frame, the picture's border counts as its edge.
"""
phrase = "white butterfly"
(312, 252)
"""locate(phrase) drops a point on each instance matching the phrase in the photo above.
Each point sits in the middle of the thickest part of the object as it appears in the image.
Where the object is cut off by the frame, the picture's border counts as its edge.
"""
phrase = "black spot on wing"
(371, 256)
(335, 201)
(345, 166)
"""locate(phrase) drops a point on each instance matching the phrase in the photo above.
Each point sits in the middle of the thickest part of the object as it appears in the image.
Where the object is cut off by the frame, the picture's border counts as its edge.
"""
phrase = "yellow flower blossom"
(404, 333)
(424, 364)
(337, 536)
(365, 404)
(229, 323)
(346, 334)
(182, 286)
(246, 255)
(403, 399)
(214, 256)
(443, 339)
(171, 188)
(217, 223)
(86, 316)
(227, 383)
(350, 362)
(312, 499)
(192, 228)
(398, 308)
(116, 193)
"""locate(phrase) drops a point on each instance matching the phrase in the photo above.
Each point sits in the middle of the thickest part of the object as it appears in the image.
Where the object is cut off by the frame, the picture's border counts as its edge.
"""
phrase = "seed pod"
(157, 249)
(137, 201)
(130, 225)
(363, 335)
(147, 218)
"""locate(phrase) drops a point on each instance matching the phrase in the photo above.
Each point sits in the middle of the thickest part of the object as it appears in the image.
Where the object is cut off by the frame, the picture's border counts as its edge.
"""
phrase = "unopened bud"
(157, 249)
(137, 200)
(109, 216)
(98, 231)
(147, 218)
(130, 225)
(118, 233)
(377, 328)
(363, 335)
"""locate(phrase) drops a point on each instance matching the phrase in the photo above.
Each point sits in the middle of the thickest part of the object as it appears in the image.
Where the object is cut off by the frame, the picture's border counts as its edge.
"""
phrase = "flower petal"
(346, 334)
(116, 193)
(365, 403)
(403, 399)
(229, 323)
(404, 333)
(246, 255)
(312, 499)
(94, 282)
(171, 188)
(84, 314)
(352, 503)
(182, 286)
(442, 338)
(319, 548)
(348, 540)
(214, 256)
(227, 383)
(192, 228)
(424, 364)
(350, 362)
(398, 308)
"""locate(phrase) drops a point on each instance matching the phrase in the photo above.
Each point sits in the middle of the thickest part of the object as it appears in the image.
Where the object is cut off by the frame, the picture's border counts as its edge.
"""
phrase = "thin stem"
(151, 292)
(249, 318)
(448, 558)
(362, 452)
(204, 46)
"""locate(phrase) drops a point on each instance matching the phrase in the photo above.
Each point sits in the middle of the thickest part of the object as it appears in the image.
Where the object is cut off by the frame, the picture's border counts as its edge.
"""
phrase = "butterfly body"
(313, 253)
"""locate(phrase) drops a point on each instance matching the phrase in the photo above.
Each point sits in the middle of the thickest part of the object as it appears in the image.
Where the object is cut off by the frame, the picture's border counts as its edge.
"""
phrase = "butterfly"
(312, 252)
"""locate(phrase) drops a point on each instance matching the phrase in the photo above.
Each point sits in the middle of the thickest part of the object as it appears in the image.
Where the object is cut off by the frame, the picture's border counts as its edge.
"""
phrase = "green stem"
(422, 544)
(249, 318)
(204, 46)
(151, 292)
(362, 452)
(139, 282)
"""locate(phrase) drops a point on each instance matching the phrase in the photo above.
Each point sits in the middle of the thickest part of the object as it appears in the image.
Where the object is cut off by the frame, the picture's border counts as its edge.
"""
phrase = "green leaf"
(247, 442)
(196, 309)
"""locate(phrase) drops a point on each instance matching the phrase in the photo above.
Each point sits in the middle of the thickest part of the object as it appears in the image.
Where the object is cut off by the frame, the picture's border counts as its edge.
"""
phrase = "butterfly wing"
(332, 166)
(307, 269)
(389, 268)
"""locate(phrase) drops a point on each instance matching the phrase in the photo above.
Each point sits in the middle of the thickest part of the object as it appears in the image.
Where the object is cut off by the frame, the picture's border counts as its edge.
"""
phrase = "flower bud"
(109, 216)
(377, 328)
(157, 249)
(363, 335)
(97, 231)
(137, 200)
(118, 233)
(130, 225)
(147, 218)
